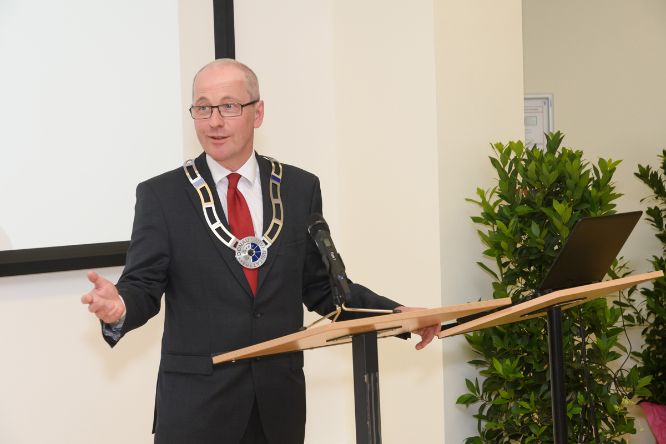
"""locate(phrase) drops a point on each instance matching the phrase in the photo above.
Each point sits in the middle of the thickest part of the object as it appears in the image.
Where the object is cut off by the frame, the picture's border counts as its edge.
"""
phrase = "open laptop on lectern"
(589, 251)
(585, 257)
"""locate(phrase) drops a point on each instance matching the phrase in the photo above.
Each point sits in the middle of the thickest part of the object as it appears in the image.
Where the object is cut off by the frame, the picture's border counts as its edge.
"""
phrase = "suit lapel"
(227, 253)
(265, 175)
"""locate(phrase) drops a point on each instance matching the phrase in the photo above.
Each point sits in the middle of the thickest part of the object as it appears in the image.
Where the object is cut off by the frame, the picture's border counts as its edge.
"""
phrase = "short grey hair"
(251, 81)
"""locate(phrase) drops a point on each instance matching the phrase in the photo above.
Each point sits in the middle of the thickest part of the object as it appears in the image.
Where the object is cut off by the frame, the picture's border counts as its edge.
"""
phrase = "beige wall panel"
(290, 47)
(479, 98)
(350, 91)
(386, 127)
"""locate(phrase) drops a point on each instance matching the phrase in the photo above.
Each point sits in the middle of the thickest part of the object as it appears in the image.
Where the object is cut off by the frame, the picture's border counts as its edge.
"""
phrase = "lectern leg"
(556, 359)
(366, 389)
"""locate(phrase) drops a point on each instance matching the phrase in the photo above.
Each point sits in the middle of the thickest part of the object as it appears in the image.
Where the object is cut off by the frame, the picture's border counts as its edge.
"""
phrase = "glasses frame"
(242, 105)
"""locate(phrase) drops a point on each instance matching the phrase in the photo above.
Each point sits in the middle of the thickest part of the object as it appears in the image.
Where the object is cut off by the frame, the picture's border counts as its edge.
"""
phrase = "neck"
(234, 165)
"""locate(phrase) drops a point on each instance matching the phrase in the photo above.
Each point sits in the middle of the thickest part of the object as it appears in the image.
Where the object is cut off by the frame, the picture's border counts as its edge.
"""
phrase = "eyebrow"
(225, 99)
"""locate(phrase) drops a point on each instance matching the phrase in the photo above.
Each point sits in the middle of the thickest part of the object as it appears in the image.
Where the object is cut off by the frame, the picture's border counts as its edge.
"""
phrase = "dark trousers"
(254, 432)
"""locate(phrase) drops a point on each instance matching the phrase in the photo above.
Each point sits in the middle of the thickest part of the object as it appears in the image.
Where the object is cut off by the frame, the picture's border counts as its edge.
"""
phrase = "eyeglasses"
(226, 110)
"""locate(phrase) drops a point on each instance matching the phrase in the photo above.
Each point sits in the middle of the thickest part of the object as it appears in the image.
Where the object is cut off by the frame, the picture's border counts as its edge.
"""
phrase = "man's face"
(228, 140)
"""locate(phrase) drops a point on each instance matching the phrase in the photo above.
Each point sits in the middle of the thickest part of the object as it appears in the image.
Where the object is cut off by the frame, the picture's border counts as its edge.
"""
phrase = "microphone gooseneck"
(321, 234)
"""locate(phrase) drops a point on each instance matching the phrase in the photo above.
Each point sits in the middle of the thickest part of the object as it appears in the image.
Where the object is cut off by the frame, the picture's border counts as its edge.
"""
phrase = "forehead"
(217, 83)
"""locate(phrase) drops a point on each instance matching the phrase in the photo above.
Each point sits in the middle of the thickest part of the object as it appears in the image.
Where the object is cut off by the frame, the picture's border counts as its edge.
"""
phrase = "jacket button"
(257, 314)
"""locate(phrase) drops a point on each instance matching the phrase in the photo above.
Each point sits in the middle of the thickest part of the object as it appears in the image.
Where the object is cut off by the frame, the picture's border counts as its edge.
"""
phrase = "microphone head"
(317, 223)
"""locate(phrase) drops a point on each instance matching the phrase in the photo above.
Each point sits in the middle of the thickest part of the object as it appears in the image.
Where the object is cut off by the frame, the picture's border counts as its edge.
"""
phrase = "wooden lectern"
(363, 334)
(552, 304)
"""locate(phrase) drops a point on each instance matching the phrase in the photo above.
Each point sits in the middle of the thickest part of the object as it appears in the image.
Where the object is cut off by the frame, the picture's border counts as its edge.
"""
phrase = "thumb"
(97, 280)
(92, 276)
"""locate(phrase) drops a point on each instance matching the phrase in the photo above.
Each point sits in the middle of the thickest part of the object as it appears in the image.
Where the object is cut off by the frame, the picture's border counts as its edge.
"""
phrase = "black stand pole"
(556, 359)
(366, 388)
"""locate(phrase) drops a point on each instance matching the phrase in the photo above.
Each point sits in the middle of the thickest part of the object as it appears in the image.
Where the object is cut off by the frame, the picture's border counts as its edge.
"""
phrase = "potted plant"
(653, 354)
(524, 220)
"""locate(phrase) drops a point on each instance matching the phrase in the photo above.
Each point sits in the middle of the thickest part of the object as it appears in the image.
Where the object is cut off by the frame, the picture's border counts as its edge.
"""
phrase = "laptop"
(589, 251)
(585, 257)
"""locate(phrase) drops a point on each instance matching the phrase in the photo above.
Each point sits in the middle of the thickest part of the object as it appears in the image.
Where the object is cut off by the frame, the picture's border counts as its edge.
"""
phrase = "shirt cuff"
(114, 330)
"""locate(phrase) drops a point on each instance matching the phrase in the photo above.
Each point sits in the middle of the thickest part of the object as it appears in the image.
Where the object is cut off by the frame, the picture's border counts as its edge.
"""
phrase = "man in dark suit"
(185, 229)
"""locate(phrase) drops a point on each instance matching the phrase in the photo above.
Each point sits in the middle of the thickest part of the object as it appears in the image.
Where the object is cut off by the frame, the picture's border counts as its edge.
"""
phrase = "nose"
(216, 118)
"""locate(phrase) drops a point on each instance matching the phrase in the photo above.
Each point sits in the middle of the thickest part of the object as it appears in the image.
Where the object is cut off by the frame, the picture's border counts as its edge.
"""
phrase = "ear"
(258, 113)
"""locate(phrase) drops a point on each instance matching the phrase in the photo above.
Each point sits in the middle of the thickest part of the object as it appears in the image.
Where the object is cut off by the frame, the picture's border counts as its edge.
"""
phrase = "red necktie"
(240, 222)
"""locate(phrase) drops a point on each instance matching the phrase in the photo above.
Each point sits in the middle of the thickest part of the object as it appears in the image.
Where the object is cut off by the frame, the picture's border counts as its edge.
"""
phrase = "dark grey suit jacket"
(210, 309)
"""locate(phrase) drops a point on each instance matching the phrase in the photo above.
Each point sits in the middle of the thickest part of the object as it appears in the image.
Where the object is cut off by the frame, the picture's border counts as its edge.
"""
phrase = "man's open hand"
(103, 300)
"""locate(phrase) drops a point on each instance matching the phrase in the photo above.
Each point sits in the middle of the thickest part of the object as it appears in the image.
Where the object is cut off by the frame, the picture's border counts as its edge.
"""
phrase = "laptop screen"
(589, 251)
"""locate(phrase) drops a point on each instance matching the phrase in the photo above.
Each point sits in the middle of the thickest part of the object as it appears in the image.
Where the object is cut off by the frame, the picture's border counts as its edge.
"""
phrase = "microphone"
(321, 234)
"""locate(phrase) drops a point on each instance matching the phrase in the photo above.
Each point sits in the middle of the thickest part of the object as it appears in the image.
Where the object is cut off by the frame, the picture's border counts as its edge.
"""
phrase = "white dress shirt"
(249, 185)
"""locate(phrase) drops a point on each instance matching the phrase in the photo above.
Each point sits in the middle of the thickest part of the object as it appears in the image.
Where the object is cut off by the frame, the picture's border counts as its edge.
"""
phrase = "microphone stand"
(365, 363)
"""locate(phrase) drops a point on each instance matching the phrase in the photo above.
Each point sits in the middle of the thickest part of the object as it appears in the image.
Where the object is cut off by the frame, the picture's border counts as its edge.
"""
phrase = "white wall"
(604, 62)
(606, 74)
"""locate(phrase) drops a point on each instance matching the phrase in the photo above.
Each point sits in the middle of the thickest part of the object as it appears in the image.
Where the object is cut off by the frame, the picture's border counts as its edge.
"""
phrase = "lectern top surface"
(566, 298)
(342, 332)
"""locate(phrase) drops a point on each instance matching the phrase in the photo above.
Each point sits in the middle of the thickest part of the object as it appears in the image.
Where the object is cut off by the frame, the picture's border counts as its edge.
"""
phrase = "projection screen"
(91, 105)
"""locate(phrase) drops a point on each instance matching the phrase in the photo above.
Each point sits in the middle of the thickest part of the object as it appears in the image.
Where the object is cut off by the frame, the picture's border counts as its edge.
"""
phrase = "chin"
(217, 153)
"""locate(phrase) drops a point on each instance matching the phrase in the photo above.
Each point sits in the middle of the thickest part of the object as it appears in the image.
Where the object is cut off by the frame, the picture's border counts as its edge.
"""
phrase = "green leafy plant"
(525, 218)
(653, 354)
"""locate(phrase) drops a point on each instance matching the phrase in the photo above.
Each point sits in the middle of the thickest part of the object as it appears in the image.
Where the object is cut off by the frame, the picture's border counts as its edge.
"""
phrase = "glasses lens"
(230, 109)
(200, 112)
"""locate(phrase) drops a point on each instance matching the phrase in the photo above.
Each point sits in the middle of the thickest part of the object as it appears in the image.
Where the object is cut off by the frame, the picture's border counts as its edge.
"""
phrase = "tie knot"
(233, 179)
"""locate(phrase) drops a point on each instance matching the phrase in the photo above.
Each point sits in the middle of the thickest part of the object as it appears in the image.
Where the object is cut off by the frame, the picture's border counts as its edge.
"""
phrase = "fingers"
(98, 281)
(92, 276)
(98, 306)
(103, 299)
(103, 288)
(427, 335)
(107, 311)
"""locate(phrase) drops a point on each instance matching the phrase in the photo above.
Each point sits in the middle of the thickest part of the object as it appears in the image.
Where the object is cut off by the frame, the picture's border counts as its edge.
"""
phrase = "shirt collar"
(249, 170)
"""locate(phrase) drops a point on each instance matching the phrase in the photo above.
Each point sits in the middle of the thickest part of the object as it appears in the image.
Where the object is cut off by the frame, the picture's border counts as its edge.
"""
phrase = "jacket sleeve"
(316, 284)
(144, 278)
